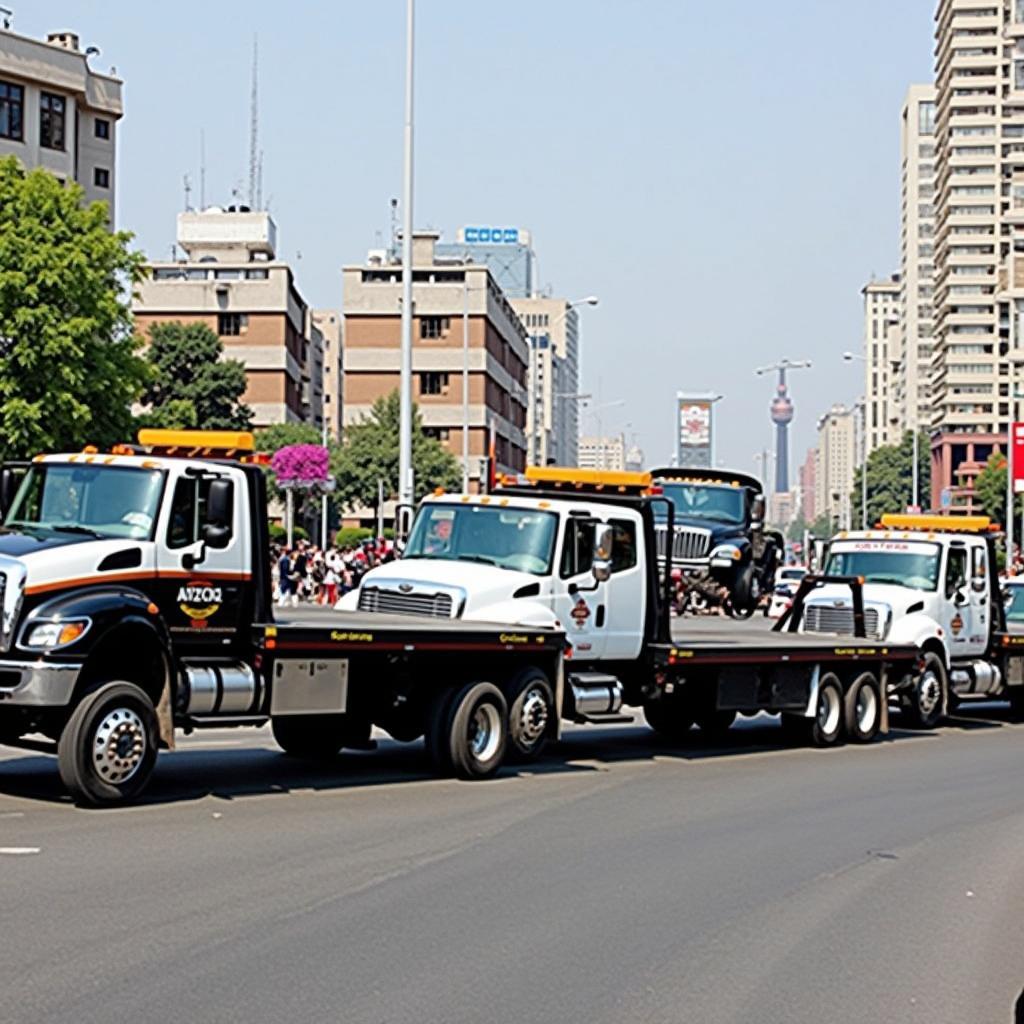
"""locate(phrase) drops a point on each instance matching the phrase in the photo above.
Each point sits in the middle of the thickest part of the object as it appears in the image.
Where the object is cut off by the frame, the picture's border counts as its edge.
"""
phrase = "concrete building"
(491, 335)
(328, 323)
(57, 113)
(603, 452)
(231, 280)
(505, 251)
(881, 347)
(979, 213)
(834, 465)
(552, 415)
(911, 402)
(808, 486)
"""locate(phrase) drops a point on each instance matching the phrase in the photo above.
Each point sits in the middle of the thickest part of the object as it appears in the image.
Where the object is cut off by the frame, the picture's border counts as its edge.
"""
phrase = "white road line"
(18, 851)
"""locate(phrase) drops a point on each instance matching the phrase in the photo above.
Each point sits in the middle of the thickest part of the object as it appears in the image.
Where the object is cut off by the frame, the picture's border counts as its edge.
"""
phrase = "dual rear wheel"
(853, 713)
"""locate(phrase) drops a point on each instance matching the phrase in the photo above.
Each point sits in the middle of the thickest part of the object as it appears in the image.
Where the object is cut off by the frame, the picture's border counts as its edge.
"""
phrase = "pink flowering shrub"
(301, 463)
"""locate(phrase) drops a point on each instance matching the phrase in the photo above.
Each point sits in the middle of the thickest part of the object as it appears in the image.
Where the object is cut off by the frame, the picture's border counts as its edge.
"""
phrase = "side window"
(577, 548)
(188, 511)
(623, 545)
(956, 570)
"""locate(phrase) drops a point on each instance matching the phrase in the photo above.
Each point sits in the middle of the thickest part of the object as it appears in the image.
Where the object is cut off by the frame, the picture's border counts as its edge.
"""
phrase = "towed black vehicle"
(719, 541)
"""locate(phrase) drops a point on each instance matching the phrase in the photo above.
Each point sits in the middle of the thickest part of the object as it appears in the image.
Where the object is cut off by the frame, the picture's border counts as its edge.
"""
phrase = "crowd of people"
(306, 573)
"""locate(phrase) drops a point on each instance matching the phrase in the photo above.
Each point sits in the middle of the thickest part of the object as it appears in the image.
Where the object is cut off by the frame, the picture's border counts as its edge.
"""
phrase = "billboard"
(481, 235)
(694, 429)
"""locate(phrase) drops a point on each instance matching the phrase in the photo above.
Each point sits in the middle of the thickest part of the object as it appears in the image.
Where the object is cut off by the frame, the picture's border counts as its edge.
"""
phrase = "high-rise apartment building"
(834, 465)
(462, 322)
(603, 452)
(505, 251)
(808, 486)
(881, 344)
(979, 208)
(328, 323)
(552, 414)
(912, 392)
(57, 112)
(231, 281)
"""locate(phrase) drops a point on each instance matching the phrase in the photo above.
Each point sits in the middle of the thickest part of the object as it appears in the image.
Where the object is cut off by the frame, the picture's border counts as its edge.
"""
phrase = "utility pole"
(405, 481)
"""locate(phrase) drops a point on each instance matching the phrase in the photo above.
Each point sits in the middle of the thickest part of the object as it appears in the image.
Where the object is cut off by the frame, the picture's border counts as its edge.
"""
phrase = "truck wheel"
(714, 724)
(475, 731)
(669, 717)
(107, 750)
(863, 709)
(825, 729)
(531, 710)
(315, 737)
(926, 698)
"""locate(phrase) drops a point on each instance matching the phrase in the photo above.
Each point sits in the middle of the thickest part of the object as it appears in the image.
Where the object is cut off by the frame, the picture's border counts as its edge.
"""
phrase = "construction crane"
(782, 416)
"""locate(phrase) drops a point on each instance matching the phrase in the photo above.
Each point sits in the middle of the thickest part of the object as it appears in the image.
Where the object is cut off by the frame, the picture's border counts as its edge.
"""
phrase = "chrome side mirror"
(601, 563)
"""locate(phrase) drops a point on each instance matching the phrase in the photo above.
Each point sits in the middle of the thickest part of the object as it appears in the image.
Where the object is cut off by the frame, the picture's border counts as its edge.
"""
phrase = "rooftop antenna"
(259, 182)
(394, 225)
(254, 117)
(188, 194)
(202, 169)
(7, 14)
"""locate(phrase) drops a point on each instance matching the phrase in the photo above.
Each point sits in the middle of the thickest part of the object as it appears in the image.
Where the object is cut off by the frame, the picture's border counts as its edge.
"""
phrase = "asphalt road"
(617, 881)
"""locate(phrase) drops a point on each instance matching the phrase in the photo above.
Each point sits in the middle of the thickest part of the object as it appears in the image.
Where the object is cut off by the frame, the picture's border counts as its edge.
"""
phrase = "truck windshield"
(101, 501)
(905, 564)
(1015, 604)
(704, 501)
(510, 538)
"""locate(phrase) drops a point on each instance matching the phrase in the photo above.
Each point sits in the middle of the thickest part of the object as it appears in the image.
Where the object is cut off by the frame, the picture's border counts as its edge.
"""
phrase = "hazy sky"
(724, 176)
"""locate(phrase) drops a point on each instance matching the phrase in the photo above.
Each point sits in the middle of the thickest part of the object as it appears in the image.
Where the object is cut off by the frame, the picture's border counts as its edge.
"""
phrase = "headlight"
(51, 635)
(729, 551)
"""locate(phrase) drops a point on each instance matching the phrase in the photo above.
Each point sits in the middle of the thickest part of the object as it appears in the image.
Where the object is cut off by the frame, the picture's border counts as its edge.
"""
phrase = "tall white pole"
(323, 499)
(1009, 426)
(916, 486)
(405, 481)
(864, 465)
(289, 512)
(465, 382)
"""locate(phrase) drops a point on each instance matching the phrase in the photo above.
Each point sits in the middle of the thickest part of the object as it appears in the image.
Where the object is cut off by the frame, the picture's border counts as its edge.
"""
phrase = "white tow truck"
(929, 581)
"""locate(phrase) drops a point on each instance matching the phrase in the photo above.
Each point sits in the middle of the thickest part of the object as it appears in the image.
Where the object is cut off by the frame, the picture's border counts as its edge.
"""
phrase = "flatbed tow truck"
(577, 550)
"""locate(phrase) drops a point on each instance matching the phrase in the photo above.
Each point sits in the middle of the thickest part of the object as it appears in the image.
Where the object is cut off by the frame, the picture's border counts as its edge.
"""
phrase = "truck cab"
(929, 581)
(719, 540)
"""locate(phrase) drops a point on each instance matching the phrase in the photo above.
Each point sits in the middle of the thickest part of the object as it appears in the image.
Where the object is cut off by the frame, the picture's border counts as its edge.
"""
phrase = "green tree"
(990, 490)
(370, 453)
(890, 478)
(191, 384)
(69, 370)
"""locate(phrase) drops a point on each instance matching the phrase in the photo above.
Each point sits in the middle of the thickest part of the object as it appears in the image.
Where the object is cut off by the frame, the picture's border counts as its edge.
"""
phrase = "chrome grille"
(376, 599)
(823, 618)
(690, 543)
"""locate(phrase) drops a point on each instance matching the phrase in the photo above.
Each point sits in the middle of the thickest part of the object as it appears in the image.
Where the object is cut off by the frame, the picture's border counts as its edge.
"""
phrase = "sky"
(724, 177)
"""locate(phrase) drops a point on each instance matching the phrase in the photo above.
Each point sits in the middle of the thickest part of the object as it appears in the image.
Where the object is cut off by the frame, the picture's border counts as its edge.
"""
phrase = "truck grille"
(374, 599)
(690, 543)
(821, 618)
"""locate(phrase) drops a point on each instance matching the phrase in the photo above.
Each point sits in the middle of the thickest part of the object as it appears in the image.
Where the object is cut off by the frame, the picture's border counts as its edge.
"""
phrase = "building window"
(51, 120)
(437, 433)
(101, 127)
(101, 177)
(433, 383)
(230, 325)
(434, 326)
(12, 107)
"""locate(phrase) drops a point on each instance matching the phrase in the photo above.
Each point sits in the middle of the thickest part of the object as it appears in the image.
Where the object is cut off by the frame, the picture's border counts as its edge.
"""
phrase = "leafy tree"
(990, 490)
(370, 453)
(69, 370)
(890, 478)
(191, 384)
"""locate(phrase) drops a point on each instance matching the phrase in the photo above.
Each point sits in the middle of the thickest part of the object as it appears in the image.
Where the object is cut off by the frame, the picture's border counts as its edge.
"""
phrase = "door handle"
(599, 617)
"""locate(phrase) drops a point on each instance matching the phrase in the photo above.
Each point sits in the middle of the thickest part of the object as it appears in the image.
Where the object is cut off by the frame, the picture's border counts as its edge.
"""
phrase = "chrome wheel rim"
(828, 710)
(119, 746)
(533, 718)
(485, 732)
(866, 709)
(929, 693)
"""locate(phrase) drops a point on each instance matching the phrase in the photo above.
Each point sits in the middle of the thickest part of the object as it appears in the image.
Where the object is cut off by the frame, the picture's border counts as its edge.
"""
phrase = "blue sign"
(490, 236)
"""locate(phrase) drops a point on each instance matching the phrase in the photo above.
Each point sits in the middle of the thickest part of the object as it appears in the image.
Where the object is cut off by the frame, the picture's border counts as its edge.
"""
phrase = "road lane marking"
(18, 851)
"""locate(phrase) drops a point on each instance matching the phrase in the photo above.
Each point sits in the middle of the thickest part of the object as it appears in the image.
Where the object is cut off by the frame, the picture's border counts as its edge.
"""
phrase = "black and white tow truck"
(135, 599)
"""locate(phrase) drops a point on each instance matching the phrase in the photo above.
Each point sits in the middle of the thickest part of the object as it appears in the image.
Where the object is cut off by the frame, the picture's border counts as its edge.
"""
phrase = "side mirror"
(9, 481)
(217, 531)
(601, 563)
(757, 510)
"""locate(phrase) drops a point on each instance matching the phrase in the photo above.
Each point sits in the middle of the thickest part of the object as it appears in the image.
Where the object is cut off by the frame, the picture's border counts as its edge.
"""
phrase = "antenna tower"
(254, 115)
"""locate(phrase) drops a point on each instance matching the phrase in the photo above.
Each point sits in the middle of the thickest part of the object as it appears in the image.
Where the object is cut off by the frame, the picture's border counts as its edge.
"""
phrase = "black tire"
(317, 737)
(531, 710)
(107, 749)
(863, 707)
(669, 717)
(927, 698)
(825, 729)
(477, 732)
(714, 724)
(745, 594)
(435, 737)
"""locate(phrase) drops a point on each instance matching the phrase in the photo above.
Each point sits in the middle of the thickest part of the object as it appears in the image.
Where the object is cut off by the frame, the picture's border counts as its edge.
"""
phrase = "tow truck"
(577, 550)
(135, 600)
(930, 581)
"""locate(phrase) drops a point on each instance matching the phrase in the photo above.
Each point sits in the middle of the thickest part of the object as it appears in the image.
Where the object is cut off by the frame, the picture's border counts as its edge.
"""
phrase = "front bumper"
(38, 683)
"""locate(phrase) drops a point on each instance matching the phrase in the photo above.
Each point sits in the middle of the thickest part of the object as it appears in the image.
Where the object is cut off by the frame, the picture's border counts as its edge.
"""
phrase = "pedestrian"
(285, 583)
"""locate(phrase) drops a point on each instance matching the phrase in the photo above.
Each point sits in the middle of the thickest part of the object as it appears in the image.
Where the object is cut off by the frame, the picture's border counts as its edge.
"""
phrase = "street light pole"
(465, 381)
(405, 480)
